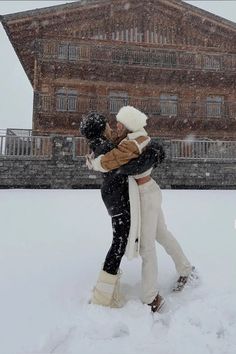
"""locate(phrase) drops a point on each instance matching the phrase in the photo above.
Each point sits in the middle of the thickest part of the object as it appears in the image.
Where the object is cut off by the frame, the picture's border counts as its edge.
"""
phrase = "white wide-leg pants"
(153, 228)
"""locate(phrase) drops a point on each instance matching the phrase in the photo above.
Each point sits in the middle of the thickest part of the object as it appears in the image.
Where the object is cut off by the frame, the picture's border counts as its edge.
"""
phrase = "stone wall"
(196, 175)
(64, 171)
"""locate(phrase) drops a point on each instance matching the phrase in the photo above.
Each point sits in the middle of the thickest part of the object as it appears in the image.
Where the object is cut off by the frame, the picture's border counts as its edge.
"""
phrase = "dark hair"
(93, 125)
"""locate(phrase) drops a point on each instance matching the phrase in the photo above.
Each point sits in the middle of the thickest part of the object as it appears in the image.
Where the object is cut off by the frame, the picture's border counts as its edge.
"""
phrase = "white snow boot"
(106, 291)
(188, 280)
(118, 299)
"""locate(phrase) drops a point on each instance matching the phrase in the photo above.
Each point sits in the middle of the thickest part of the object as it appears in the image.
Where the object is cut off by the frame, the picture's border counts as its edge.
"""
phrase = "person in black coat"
(115, 195)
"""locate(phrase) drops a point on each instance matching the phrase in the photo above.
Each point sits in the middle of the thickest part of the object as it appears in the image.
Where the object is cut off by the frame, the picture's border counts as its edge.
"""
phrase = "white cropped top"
(144, 174)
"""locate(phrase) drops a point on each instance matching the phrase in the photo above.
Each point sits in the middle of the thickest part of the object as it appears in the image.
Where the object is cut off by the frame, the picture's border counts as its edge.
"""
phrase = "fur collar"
(135, 135)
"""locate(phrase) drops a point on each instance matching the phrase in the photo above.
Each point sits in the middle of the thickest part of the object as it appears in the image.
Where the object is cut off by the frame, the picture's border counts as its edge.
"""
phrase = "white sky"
(16, 95)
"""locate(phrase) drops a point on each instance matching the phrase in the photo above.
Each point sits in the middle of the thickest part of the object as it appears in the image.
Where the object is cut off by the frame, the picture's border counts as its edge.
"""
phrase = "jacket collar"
(137, 134)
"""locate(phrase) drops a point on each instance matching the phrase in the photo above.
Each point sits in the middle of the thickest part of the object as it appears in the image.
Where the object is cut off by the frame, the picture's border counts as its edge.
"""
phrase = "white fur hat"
(131, 118)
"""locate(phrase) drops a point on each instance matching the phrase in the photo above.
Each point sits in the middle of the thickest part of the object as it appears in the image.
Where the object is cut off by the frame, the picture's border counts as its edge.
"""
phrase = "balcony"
(202, 150)
(135, 55)
(182, 150)
(26, 146)
(82, 104)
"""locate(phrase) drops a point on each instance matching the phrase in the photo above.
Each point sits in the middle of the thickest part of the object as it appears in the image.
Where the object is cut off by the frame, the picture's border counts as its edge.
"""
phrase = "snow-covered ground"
(52, 245)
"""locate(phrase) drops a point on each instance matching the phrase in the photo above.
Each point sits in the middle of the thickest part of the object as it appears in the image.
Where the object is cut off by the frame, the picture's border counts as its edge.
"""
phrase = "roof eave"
(210, 15)
(51, 9)
(15, 49)
(85, 3)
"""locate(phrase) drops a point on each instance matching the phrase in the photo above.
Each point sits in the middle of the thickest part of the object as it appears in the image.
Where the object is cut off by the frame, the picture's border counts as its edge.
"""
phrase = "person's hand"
(89, 161)
(94, 163)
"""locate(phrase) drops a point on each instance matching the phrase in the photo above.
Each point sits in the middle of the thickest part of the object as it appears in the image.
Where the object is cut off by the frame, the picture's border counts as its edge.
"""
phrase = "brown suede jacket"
(129, 148)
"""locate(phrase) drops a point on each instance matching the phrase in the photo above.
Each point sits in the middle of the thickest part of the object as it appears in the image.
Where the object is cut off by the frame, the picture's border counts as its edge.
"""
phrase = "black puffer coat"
(114, 189)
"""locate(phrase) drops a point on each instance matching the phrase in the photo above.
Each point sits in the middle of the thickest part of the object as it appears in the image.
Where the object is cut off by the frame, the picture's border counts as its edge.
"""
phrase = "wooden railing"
(150, 105)
(22, 147)
(132, 54)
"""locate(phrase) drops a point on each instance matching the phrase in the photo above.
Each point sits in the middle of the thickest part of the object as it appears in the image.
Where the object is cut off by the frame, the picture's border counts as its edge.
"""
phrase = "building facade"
(175, 62)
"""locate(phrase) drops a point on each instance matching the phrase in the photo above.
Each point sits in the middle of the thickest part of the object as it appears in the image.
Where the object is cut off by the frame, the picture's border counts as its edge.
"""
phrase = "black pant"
(120, 226)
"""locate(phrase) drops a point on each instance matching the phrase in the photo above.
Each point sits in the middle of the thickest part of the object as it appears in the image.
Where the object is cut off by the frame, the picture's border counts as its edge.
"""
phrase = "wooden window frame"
(66, 100)
(63, 51)
(165, 100)
(117, 99)
(214, 106)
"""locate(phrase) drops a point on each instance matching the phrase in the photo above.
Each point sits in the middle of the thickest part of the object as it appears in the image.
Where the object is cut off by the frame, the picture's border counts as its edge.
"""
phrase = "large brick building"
(174, 61)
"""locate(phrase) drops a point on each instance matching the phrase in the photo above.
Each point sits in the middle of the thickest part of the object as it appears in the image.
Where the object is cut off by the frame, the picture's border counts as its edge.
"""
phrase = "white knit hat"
(131, 118)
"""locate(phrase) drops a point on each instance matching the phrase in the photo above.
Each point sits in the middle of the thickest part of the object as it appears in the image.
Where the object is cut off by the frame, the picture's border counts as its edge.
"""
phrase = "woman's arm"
(121, 155)
(150, 158)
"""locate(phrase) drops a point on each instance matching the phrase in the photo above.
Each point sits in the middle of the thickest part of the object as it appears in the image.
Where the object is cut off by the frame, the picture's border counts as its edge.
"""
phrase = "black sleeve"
(102, 147)
(153, 155)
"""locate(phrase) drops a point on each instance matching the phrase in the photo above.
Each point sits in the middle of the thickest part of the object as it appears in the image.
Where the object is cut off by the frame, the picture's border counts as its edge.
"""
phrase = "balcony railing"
(27, 146)
(19, 132)
(38, 147)
(203, 150)
(137, 55)
(149, 105)
(182, 150)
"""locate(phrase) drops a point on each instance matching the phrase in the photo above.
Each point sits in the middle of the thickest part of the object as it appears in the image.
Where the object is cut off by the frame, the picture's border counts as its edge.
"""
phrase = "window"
(49, 49)
(72, 52)
(66, 52)
(63, 51)
(211, 62)
(72, 100)
(169, 105)
(45, 103)
(61, 100)
(117, 100)
(214, 106)
(66, 100)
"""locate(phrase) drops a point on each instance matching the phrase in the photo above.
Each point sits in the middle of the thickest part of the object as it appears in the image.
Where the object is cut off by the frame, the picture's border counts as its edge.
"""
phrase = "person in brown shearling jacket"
(116, 197)
(153, 228)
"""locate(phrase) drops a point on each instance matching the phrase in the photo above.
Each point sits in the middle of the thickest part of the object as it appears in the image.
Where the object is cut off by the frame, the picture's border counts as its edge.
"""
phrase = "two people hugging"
(133, 200)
